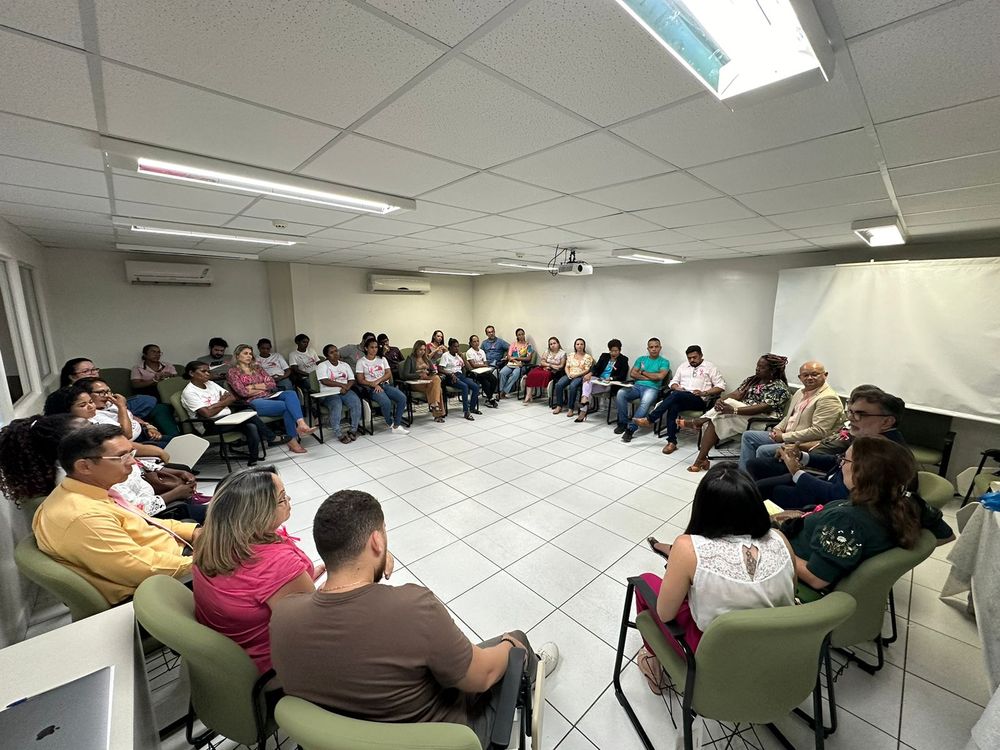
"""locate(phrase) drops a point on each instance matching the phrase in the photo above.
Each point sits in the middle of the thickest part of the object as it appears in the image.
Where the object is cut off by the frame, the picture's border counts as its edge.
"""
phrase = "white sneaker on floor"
(400, 430)
(548, 655)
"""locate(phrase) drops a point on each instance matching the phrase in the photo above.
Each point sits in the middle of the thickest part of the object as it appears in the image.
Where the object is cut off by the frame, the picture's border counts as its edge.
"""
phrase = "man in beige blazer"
(814, 412)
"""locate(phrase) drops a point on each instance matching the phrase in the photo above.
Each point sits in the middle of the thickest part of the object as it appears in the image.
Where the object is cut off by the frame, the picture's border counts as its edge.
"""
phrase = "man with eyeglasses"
(78, 368)
(813, 413)
(784, 479)
(97, 533)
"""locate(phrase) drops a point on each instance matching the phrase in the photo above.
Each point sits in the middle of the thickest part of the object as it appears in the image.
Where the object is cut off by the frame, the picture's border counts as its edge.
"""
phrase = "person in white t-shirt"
(452, 368)
(373, 373)
(336, 378)
(477, 358)
(274, 365)
(203, 398)
(303, 360)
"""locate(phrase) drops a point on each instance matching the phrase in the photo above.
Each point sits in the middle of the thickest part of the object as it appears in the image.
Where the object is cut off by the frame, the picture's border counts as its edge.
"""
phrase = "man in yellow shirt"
(101, 536)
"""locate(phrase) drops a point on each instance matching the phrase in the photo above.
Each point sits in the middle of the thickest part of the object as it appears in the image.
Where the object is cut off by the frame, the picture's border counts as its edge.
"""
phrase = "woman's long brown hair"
(882, 472)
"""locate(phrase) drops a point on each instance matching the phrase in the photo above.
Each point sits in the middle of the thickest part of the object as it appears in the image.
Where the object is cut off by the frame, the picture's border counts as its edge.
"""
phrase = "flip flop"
(699, 466)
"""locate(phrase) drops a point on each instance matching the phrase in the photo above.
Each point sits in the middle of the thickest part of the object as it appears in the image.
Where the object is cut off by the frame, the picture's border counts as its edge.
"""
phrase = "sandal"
(652, 541)
(345, 439)
(557, 410)
(439, 419)
(653, 675)
(582, 417)
(702, 465)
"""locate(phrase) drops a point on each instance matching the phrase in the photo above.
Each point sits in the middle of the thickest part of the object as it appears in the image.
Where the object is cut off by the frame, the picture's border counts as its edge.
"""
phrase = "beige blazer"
(820, 417)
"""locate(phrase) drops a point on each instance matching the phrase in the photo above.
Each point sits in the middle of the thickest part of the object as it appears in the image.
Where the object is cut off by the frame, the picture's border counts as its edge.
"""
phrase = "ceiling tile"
(825, 230)
(842, 240)
(966, 171)
(408, 243)
(955, 216)
(589, 56)
(497, 225)
(434, 214)
(54, 19)
(857, 16)
(950, 57)
(705, 130)
(27, 223)
(381, 225)
(45, 80)
(447, 20)
(52, 177)
(730, 229)
(22, 212)
(589, 162)
(988, 195)
(615, 225)
(298, 212)
(958, 131)
(549, 238)
(767, 238)
(444, 234)
(822, 159)
(54, 199)
(154, 110)
(499, 243)
(313, 57)
(148, 190)
(843, 215)
(662, 190)
(979, 229)
(777, 247)
(364, 163)
(561, 211)
(346, 235)
(264, 225)
(34, 139)
(700, 212)
(852, 189)
(490, 193)
(463, 114)
(298, 252)
(649, 240)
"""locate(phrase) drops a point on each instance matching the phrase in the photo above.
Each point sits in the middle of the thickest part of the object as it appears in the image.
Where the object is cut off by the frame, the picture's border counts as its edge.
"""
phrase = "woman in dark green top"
(880, 513)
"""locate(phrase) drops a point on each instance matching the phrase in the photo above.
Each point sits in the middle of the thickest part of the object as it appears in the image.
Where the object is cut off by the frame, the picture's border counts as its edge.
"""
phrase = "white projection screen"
(928, 331)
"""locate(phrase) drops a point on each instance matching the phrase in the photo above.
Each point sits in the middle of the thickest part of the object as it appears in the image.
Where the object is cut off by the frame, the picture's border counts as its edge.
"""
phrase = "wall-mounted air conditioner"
(177, 274)
(382, 284)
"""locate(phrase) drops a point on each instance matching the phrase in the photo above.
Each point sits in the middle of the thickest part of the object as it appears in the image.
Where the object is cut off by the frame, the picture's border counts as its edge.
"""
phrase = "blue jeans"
(466, 385)
(390, 396)
(756, 444)
(285, 384)
(646, 396)
(285, 405)
(141, 406)
(508, 378)
(567, 387)
(336, 404)
(672, 405)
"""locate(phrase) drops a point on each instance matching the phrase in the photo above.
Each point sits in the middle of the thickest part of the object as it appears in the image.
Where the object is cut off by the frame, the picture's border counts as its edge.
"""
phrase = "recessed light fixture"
(199, 232)
(183, 251)
(448, 271)
(161, 163)
(645, 256)
(735, 48)
(519, 264)
(210, 235)
(880, 232)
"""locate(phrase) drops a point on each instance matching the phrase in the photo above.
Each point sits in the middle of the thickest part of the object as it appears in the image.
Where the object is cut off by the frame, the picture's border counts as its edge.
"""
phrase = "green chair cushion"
(935, 489)
(926, 456)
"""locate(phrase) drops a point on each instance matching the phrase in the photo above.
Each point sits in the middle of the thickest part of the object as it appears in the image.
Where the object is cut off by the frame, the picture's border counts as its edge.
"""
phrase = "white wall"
(97, 313)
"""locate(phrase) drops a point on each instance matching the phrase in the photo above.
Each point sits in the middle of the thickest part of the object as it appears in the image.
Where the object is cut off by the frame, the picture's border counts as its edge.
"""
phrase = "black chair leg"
(616, 678)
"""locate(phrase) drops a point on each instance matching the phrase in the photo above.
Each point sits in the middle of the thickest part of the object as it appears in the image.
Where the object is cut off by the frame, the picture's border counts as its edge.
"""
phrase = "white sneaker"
(400, 430)
(548, 655)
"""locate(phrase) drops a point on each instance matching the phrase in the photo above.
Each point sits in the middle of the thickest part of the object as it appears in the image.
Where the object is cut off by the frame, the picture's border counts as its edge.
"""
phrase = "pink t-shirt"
(236, 604)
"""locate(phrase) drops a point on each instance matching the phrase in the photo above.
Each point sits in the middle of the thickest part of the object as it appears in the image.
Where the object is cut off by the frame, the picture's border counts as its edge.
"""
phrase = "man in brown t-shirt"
(384, 653)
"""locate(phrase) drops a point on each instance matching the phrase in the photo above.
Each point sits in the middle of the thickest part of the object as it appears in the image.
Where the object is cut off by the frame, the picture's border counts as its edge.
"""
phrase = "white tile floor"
(548, 552)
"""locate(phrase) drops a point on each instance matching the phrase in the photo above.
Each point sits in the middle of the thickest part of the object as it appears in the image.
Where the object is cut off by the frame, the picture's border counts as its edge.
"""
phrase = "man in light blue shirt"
(495, 348)
(648, 372)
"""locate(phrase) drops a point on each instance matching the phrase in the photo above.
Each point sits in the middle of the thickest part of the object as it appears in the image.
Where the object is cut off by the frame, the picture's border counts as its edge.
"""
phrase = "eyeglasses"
(94, 370)
(859, 415)
(102, 392)
(845, 460)
(803, 375)
(130, 456)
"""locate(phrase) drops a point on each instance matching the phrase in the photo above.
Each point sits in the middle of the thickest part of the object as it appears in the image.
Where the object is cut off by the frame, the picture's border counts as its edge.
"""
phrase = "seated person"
(303, 360)
(354, 352)
(694, 381)
(610, 366)
(336, 379)
(151, 370)
(762, 394)
(436, 346)
(476, 358)
(113, 409)
(496, 348)
(729, 558)
(249, 381)
(813, 413)
(373, 372)
(550, 367)
(246, 562)
(274, 365)
(392, 353)
(203, 398)
(568, 387)
(81, 367)
(418, 366)
(102, 537)
(519, 354)
(648, 372)
(878, 514)
(453, 368)
(217, 360)
(384, 653)
(783, 478)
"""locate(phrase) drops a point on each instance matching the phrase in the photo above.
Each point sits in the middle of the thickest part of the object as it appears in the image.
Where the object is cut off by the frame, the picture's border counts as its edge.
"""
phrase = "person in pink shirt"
(245, 561)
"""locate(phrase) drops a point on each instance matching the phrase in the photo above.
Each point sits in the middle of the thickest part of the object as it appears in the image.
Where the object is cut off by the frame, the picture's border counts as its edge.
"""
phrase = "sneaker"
(619, 429)
(548, 655)
(627, 436)
(400, 430)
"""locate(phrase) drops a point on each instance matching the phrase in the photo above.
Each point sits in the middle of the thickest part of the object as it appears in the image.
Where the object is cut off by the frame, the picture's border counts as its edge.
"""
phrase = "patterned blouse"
(577, 365)
(240, 382)
(553, 359)
(774, 394)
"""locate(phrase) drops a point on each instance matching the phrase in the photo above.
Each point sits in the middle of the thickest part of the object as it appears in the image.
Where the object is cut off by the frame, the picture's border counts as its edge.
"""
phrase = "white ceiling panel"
(73, 240)
(372, 165)
(615, 225)
(988, 195)
(298, 212)
(346, 235)
(950, 57)
(407, 243)
(834, 215)
(958, 131)
(26, 224)
(147, 190)
(842, 240)
(313, 57)
(589, 162)
(154, 110)
(263, 225)
(649, 240)
(956, 217)
(777, 247)
(53, 19)
(589, 56)
(445, 234)
(704, 130)
(563, 210)
(966, 171)
(824, 230)
(38, 215)
(58, 144)
(54, 199)
(52, 176)
(497, 225)
(545, 239)
(169, 213)
(381, 225)
(490, 193)
(45, 80)
(434, 214)
(730, 229)
(298, 252)
(700, 212)
(500, 243)
(767, 238)
(463, 114)
(450, 21)
(853, 189)
(858, 16)
(663, 190)
(966, 230)
(825, 158)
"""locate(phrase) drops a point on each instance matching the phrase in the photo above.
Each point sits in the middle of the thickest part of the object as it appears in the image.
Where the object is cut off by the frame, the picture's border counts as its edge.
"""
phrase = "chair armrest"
(510, 687)
(647, 593)
(993, 453)
(763, 421)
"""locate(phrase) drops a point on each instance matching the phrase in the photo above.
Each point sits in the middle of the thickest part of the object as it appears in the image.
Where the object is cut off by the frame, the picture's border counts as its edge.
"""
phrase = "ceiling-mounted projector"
(576, 268)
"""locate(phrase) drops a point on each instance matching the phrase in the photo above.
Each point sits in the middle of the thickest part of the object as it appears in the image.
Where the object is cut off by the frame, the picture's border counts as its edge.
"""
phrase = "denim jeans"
(509, 377)
(465, 385)
(646, 397)
(392, 402)
(285, 405)
(756, 444)
(336, 404)
(672, 405)
(141, 406)
(567, 388)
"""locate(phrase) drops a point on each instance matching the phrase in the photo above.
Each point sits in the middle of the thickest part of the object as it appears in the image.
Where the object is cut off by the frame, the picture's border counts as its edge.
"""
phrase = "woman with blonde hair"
(244, 561)
(418, 366)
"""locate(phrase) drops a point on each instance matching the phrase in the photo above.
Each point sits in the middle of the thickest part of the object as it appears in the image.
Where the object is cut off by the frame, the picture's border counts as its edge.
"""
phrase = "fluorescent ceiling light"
(448, 271)
(519, 264)
(151, 161)
(201, 232)
(737, 46)
(646, 256)
(209, 235)
(880, 232)
(183, 251)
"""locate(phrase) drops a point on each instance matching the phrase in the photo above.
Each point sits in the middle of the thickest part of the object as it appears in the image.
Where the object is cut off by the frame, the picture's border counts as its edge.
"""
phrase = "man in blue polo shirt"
(648, 372)
(495, 348)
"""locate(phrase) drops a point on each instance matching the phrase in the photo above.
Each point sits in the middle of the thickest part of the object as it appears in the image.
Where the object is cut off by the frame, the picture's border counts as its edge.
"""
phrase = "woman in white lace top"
(729, 558)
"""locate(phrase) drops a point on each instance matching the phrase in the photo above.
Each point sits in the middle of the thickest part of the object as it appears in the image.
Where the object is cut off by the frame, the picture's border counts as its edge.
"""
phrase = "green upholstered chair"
(752, 666)
(119, 378)
(227, 689)
(406, 351)
(934, 489)
(64, 584)
(223, 438)
(930, 438)
(169, 386)
(981, 480)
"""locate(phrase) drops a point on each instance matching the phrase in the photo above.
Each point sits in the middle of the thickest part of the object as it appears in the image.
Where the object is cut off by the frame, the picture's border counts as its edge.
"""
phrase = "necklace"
(343, 586)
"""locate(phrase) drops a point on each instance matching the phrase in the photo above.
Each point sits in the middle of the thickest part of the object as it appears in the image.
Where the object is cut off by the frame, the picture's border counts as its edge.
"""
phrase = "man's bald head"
(813, 375)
